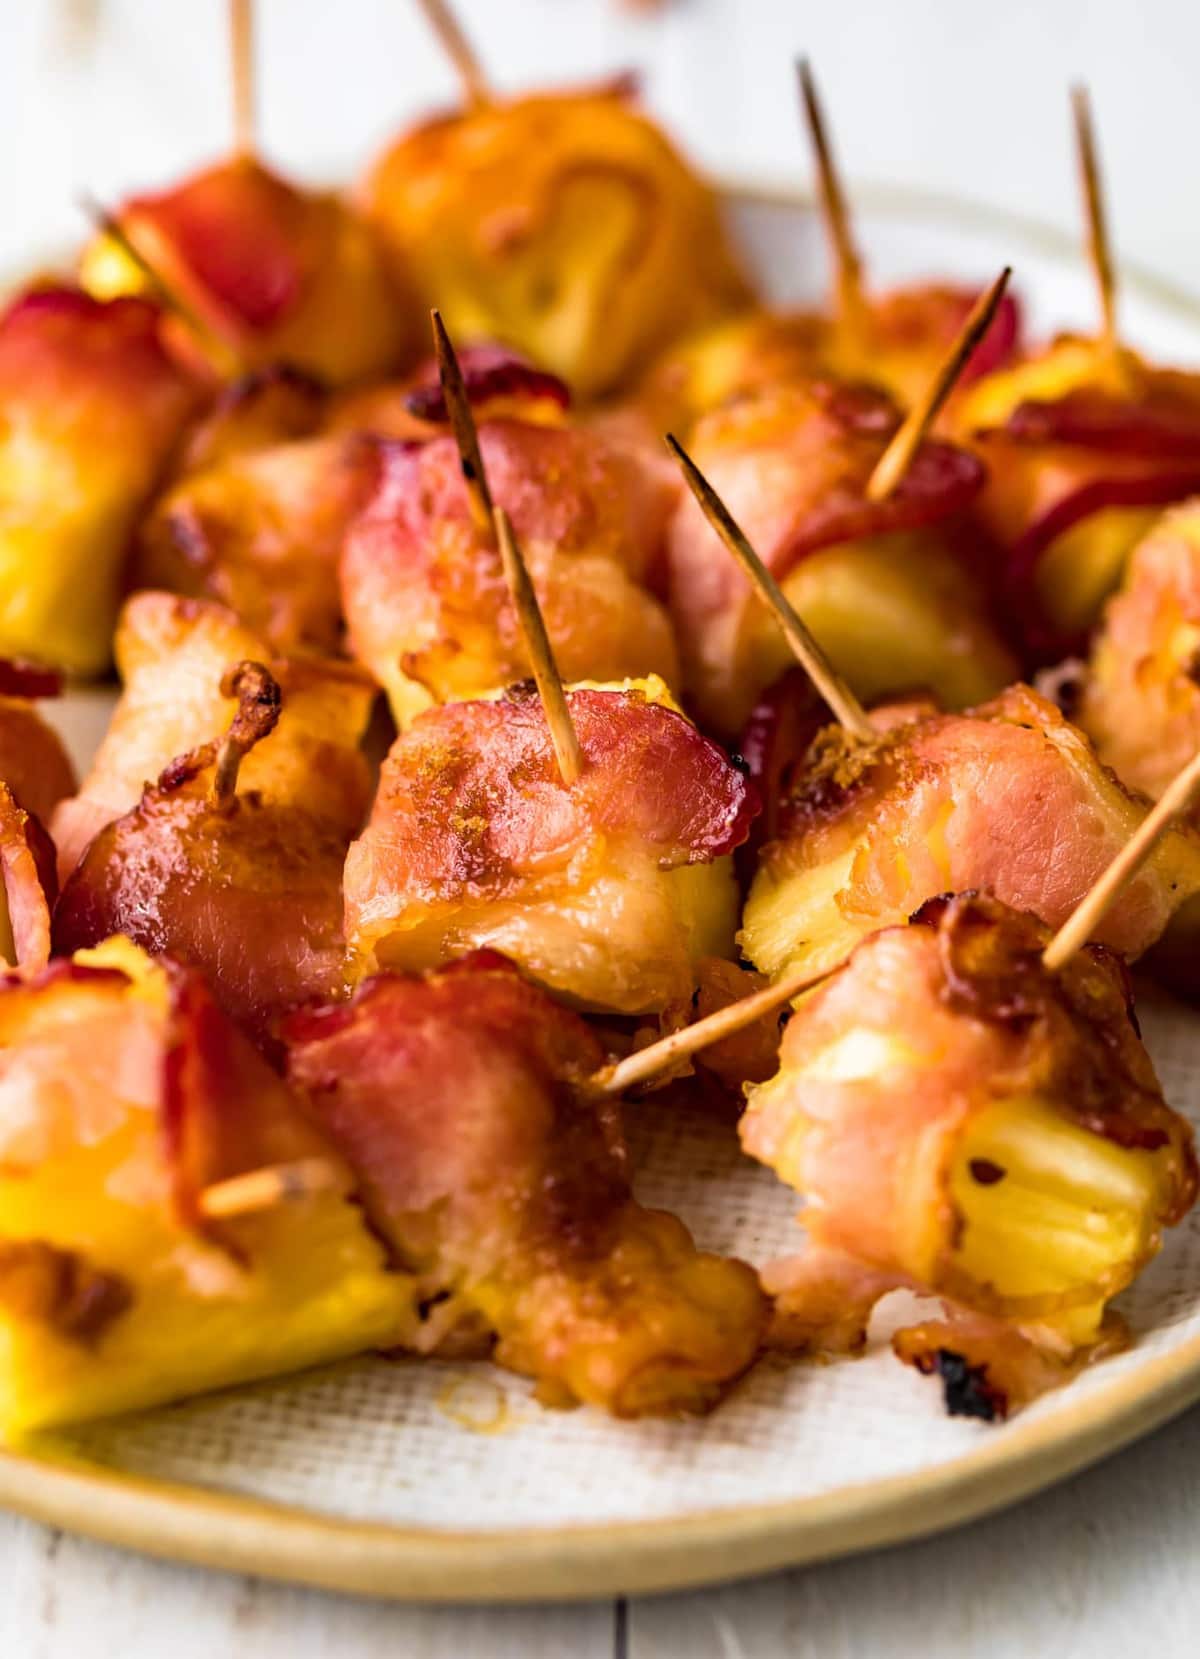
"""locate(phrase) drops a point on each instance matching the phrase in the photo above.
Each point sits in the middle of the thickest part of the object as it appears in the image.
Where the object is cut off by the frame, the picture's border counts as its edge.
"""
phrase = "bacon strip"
(29, 884)
(456, 1100)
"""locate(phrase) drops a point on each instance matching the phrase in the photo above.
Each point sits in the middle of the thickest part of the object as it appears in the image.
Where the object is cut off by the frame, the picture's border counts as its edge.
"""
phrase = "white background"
(954, 95)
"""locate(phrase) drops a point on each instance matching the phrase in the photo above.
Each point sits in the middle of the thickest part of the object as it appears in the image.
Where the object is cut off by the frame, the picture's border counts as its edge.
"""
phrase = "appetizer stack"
(709, 762)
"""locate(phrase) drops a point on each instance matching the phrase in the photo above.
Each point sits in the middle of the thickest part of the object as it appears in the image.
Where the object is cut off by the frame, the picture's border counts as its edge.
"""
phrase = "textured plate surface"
(439, 1481)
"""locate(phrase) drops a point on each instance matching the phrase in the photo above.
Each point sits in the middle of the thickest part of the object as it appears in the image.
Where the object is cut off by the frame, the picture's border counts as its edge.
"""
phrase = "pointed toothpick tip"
(462, 424)
(892, 466)
(218, 351)
(266, 1188)
(846, 708)
(1099, 241)
(835, 214)
(648, 1063)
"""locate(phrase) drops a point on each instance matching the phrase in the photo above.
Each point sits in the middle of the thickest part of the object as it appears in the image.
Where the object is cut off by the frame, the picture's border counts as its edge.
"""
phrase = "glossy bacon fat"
(280, 274)
(607, 891)
(564, 224)
(1009, 798)
(425, 600)
(878, 583)
(965, 1123)
(1081, 452)
(123, 1094)
(504, 1187)
(172, 654)
(246, 889)
(93, 408)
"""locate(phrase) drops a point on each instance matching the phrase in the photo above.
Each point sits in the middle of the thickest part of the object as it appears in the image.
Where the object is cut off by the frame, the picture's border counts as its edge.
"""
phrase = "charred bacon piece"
(280, 274)
(249, 890)
(172, 654)
(963, 1122)
(503, 1185)
(1082, 450)
(1008, 798)
(93, 409)
(124, 1093)
(423, 588)
(608, 890)
(880, 584)
(563, 223)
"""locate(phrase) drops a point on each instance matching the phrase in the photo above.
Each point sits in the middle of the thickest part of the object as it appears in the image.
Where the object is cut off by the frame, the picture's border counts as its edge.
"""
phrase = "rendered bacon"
(457, 1101)
(93, 408)
(908, 332)
(172, 654)
(123, 1093)
(893, 609)
(262, 532)
(935, 1044)
(1009, 798)
(33, 762)
(252, 896)
(564, 224)
(282, 274)
(1074, 445)
(27, 885)
(474, 839)
(424, 594)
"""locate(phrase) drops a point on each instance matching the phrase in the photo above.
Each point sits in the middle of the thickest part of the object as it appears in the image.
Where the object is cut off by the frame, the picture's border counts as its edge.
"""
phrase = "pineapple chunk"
(109, 1300)
(1083, 566)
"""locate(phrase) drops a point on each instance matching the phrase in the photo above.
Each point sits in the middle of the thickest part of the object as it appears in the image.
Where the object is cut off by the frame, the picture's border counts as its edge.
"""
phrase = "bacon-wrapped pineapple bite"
(882, 583)
(423, 591)
(1008, 797)
(1083, 443)
(278, 274)
(564, 224)
(1083, 450)
(126, 1097)
(965, 1121)
(608, 890)
(173, 654)
(248, 889)
(93, 409)
(501, 1181)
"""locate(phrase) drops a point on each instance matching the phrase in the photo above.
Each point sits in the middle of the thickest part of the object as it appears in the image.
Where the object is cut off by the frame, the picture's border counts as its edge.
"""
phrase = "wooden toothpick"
(848, 286)
(847, 709)
(893, 464)
(462, 424)
(648, 1062)
(1178, 798)
(241, 75)
(263, 1189)
(537, 642)
(1099, 245)
(458, 49)
(220, 354)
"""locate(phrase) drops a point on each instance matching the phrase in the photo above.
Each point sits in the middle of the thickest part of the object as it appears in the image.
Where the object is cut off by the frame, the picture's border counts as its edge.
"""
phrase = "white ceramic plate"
(440, 1481)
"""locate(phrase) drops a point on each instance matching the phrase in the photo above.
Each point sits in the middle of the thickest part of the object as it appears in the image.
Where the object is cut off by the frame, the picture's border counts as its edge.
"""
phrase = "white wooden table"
(957, 95)
(1099, 1568)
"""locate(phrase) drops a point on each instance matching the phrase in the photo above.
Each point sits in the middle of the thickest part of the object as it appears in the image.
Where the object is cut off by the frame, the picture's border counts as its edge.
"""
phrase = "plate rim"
(204, 1526)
